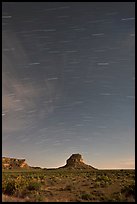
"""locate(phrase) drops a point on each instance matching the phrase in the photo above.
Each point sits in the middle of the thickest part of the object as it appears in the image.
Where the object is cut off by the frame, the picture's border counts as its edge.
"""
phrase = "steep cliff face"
(13, 163)
(76, 162)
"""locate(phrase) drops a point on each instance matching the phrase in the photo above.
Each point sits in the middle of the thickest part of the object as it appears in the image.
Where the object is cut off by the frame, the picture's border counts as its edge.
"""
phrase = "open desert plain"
(76, 181)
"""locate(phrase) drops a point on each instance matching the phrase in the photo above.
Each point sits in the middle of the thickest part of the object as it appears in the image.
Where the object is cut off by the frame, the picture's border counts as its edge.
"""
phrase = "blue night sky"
(68, 82)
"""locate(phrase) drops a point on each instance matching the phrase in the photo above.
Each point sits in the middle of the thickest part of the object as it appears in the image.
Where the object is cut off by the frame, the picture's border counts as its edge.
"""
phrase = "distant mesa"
(13, 163)
(76, 162)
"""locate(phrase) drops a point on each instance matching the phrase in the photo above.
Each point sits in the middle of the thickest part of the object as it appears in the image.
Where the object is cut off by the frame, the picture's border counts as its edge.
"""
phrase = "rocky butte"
(76, 162)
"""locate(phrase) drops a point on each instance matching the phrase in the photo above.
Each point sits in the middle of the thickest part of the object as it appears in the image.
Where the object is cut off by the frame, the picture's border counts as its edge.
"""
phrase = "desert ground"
(65, 185)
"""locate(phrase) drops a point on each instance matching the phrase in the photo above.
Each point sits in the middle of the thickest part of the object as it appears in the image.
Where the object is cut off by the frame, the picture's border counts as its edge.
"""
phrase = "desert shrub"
(104, 184)
(127, 174)
(88, 175)
(103, 178)
(129, 190)
(20, 186)
(21, 182)
(9, 187)
(33, 186)
(87, 196)
(97, 184)
(41, 177)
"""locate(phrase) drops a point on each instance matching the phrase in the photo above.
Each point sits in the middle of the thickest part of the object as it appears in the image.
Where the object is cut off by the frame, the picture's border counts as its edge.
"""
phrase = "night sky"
(68, 82)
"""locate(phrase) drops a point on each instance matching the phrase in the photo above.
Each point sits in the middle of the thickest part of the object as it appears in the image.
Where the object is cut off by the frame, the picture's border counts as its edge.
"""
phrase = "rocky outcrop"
(76, 162)
(13, 163)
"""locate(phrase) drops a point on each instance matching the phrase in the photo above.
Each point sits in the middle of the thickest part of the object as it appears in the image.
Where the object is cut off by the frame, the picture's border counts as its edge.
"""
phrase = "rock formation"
(13, 163)
(76, 162)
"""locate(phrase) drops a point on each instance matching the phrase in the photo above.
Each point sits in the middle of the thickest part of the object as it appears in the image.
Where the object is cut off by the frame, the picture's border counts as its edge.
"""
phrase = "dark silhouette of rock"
(76, 162)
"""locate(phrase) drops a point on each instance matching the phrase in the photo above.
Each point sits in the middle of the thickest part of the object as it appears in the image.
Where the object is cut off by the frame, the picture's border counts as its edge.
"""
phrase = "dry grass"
(65, 186)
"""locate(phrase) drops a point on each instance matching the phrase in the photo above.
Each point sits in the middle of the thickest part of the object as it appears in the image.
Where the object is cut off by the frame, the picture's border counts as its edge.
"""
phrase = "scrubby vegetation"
(68, 185)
